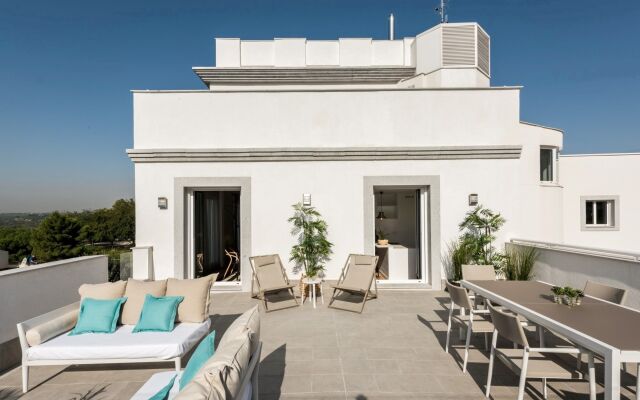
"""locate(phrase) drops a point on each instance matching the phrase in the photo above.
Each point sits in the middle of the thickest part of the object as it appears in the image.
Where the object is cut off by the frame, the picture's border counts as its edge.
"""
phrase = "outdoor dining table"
(605, 328)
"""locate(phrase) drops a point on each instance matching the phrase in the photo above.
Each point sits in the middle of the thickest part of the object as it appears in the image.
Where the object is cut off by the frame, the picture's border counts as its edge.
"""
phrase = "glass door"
(214, 233)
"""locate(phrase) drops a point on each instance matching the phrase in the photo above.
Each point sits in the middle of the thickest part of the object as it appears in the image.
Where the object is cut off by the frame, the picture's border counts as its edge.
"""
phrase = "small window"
(599, 212)
(546, 165)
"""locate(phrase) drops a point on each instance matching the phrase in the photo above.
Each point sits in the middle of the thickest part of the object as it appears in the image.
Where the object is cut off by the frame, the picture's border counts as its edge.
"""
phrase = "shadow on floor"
(91, 394)
(10, 394)
(272, 369)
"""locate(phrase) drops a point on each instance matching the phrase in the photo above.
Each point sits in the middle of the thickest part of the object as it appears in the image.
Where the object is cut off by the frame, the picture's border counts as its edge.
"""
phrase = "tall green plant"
(460, 252)
(313, 249)
(479, 226)
(518, 263)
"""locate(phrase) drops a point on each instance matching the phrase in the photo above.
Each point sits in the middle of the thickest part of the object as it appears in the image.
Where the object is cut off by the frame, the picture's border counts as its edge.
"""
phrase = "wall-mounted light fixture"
(473, 199)
(306, 199)
(163, 203)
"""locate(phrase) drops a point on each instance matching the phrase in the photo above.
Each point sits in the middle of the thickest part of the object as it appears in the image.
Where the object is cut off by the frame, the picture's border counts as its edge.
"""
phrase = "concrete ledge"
(35, 290)
(325, 154)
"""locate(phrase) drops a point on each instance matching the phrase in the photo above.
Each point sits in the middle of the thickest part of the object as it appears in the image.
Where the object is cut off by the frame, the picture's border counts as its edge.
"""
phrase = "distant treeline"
(61, 235)
(21, 220)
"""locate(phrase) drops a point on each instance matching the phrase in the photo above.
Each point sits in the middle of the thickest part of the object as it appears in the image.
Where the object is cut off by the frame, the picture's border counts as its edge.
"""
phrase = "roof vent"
(458, 45)
(457, 54)
(465, 46)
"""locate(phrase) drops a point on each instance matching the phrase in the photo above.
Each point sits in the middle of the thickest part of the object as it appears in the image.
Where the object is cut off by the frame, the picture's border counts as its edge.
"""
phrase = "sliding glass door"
(216, 234)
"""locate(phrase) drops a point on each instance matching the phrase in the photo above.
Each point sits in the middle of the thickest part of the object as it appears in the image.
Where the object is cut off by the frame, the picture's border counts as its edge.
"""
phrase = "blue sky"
(66, 69)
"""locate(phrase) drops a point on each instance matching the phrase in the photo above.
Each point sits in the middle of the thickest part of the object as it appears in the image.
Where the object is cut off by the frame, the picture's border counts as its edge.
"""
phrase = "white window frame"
(613, 213)
(554, 165)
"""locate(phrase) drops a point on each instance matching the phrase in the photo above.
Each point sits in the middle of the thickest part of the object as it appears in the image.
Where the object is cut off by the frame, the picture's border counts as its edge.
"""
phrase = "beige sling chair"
(478, 273)
(475, 321)
(613, 295)
(604, 292)
(356, 278)
(528, 361)
(270, 278)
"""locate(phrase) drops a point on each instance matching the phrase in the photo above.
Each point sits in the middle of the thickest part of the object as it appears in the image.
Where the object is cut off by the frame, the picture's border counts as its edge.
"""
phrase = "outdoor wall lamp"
(473, 199)
(306, 199)
(163, 203)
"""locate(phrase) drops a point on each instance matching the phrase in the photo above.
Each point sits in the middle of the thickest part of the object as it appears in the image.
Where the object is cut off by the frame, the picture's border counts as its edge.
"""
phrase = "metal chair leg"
(466, 346)
(494, 341)
(446, 346)
(523, 375)
(592, 378)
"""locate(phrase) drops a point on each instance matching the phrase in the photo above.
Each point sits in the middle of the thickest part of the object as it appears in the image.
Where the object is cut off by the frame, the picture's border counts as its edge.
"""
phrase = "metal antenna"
(442, 10)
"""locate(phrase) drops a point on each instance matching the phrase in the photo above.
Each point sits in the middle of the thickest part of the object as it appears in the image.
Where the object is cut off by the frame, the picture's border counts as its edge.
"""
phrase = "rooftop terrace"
(394, 350)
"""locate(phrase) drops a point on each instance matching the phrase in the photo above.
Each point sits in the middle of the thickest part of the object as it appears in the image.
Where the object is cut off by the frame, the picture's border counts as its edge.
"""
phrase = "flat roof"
(374, 89)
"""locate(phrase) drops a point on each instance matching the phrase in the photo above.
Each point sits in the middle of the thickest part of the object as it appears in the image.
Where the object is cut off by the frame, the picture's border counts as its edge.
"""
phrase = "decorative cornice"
(325, 154)
(315, 75)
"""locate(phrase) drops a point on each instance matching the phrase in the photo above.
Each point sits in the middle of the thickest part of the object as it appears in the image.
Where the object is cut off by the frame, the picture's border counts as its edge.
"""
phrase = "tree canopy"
(65, 235)
(57, 237)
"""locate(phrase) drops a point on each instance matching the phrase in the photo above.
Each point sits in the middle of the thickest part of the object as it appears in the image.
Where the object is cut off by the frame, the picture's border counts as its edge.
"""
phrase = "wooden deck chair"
(270, 277)
(358, 274)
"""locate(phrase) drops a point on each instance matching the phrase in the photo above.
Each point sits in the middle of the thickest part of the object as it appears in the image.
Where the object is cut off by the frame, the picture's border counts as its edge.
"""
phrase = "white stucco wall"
(602, 175)
(31, 291)
(418, 118)
(337, 118)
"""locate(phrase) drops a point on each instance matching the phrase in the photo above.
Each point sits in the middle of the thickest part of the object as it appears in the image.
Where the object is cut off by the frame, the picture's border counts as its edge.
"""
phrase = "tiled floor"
(394, 350)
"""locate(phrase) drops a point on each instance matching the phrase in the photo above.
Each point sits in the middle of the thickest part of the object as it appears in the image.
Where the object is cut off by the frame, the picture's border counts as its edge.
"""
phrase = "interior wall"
(402, 228)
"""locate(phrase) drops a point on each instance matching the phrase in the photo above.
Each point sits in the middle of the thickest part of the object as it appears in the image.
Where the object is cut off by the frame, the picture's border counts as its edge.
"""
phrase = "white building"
(409, 128)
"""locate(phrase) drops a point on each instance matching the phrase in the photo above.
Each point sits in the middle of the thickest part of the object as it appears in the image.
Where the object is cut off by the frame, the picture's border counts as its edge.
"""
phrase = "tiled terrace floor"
(394, 350)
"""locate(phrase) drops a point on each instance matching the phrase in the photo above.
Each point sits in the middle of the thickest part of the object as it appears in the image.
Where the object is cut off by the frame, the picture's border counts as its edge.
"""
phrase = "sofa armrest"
(39, 329)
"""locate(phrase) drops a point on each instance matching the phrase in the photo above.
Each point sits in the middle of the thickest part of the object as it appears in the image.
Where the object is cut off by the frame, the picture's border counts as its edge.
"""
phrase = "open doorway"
(398, 233)
(216, 234)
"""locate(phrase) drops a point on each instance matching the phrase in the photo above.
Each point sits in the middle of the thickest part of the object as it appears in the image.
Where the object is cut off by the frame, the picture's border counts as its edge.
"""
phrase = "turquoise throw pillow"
(163, 394)
(98, 316)
(158, 314)
(203, 352)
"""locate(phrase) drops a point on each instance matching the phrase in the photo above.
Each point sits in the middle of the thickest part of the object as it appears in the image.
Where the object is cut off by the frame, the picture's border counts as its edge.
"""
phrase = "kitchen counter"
(397, 262)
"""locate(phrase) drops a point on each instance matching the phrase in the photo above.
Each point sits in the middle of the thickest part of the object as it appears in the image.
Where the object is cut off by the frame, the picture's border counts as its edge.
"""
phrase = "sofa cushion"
(155, 383)
(197, 297)
(158, 314)
(200, 356)
(103, 291)
(135, 293)
(98, 316)
(52, 328)
(221, 377)
(122, 344)
(250, 320)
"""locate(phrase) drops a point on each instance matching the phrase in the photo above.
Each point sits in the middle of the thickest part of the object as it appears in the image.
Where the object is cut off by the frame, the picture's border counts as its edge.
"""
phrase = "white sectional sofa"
(231, 373)
(44, 342)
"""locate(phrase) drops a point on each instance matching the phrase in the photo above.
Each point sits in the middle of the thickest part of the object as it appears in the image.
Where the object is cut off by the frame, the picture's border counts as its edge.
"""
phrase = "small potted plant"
(570, 295)
(579, 296)
(381, 237)
(558, 292)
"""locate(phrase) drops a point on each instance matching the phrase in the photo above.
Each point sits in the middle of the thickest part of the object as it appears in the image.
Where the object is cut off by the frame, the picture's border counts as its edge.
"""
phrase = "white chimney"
(391, 23)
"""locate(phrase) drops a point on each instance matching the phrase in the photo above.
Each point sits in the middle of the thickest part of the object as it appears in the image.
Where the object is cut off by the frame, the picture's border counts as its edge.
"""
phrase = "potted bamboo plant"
(312, 250)
(558, 292)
